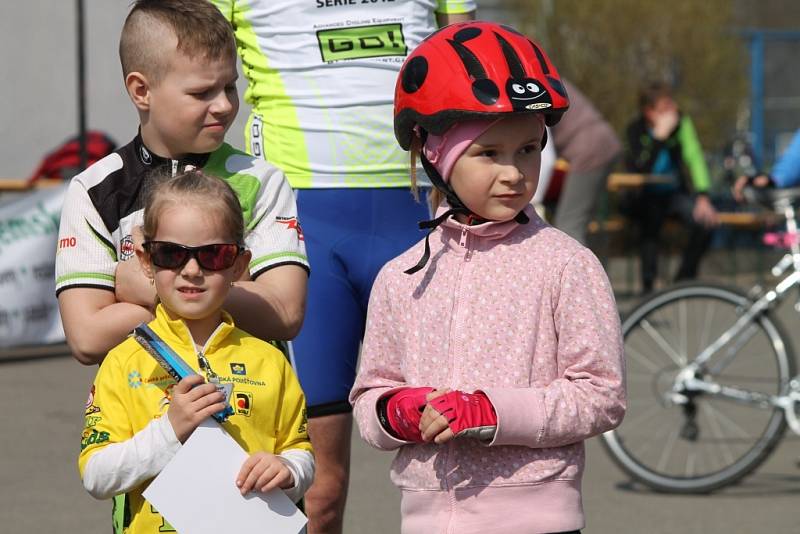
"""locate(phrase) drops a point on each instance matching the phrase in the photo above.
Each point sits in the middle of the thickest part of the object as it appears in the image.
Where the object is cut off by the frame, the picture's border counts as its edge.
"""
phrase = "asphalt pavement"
(40, 491)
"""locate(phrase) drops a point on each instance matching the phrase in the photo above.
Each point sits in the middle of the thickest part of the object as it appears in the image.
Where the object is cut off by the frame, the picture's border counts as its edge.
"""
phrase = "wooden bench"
(18, 185)
(610, 235)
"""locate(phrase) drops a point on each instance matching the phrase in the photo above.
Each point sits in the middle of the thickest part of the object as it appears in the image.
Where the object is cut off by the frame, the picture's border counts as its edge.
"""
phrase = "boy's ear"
(138, 87)
(144, 262)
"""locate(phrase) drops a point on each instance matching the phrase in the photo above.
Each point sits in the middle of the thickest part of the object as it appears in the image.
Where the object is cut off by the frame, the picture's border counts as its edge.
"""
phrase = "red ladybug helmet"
(474, 70)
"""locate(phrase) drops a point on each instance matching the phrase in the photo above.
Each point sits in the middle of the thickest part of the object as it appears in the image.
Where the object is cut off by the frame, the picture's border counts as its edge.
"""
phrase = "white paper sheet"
(196, 492)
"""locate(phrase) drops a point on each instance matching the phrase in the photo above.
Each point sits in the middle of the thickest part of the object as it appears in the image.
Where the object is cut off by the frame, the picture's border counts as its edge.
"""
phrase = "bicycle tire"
(625, 443)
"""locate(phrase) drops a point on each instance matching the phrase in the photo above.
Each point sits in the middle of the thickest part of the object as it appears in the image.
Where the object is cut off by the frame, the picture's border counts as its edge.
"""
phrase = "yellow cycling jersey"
(131, 389)
(321, 77)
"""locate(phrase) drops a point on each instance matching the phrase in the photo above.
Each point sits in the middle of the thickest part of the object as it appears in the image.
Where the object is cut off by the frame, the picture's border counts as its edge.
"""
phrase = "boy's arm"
(86, 262)
(587, 397)
(94, 322)
(271, 304)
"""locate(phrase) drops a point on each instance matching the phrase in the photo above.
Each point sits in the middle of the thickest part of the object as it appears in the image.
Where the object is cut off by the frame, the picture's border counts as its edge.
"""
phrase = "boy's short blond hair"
(200, 28)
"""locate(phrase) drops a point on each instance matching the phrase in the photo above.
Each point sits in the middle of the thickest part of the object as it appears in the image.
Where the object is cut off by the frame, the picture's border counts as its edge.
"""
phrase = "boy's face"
(497, 175)
(192, 106)
(662, 107)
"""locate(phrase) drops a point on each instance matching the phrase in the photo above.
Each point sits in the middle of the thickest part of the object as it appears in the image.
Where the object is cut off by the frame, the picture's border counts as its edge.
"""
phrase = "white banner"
(28, 234)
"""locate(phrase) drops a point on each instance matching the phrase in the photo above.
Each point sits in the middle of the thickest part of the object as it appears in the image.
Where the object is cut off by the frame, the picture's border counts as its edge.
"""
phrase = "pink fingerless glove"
(469, 414)
(403, 411)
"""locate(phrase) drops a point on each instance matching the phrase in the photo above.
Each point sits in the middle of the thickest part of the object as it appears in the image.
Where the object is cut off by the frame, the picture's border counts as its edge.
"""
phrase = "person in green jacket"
(662, 141)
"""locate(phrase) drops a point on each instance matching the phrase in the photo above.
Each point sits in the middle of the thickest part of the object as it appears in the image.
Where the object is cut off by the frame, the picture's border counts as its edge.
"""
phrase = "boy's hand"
(263, 472)
(130, 282)
(191, 405)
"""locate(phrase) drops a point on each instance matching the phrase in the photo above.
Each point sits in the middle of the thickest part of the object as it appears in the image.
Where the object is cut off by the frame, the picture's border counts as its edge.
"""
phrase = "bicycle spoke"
(641, 358)
(716, 430)
(705, 331)
(690, 460)
(668, 449)
(645, 416)
(643, 446)
(682, 322)
(728, 421)
(663, 343)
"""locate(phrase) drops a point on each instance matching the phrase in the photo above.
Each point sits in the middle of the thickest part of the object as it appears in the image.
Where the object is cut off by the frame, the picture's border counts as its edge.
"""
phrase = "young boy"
(179, 65)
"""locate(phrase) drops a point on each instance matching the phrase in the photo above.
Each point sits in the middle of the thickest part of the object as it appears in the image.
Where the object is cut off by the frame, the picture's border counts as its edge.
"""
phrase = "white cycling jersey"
(321, 82)
(104, 203)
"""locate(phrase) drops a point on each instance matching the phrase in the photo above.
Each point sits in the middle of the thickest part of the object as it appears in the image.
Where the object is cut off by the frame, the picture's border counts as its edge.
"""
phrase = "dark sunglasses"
(214, 257)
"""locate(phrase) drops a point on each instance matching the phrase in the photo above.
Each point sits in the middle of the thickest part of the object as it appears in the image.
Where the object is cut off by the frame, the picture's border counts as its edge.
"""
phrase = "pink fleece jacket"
(525, 314)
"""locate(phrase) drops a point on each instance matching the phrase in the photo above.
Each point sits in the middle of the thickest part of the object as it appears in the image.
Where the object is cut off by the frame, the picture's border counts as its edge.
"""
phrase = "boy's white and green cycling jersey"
(313, 67)
(104, 204)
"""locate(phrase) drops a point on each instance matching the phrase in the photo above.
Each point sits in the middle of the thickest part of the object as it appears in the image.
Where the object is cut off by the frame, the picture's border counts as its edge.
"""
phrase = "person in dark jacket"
(662, 142)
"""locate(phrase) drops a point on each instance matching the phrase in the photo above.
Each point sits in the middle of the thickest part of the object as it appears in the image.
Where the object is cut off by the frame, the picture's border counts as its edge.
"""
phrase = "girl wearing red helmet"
(490, 360)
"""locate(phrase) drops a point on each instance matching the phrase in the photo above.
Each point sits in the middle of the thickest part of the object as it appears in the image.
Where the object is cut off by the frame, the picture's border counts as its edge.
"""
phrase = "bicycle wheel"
(709, 441)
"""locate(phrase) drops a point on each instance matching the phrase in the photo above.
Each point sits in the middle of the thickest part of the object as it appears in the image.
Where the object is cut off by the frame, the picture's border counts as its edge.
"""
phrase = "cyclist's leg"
(346, 248)
(389, 218)
(323, 355)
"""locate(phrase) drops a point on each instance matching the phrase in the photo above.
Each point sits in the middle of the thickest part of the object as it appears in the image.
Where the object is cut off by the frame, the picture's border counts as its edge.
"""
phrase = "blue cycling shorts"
(349, 235)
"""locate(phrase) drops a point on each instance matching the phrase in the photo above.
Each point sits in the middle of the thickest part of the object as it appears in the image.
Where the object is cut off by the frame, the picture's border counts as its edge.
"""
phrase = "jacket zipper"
(464, 241)
(201, 354)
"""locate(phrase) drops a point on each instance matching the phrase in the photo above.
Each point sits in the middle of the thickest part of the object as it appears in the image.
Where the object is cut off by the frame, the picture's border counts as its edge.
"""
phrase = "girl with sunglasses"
(137, 417)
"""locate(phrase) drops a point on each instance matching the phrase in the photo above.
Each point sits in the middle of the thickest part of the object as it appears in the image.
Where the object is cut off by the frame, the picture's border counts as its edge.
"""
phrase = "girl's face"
(190, 291)
(497, 175)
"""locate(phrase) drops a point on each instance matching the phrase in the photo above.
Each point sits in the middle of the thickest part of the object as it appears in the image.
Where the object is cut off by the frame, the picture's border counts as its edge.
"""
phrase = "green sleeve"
(693, 157)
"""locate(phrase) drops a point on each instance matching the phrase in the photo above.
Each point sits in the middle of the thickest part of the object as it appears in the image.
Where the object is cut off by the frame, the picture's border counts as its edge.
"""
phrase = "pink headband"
(444, 150)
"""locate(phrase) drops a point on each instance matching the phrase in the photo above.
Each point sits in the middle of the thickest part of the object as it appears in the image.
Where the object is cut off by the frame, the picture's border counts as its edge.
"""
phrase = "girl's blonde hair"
(164, 190)
(435, 196)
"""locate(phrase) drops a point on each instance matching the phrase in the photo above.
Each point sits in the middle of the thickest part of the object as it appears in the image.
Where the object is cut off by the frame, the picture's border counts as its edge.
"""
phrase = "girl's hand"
(403, 411)
(191, 405)
(433, 425)
(262, 472)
